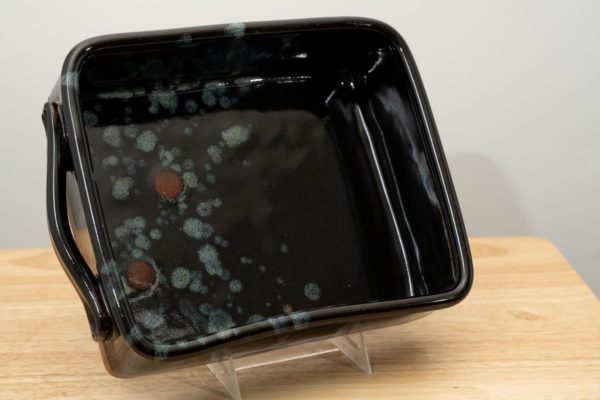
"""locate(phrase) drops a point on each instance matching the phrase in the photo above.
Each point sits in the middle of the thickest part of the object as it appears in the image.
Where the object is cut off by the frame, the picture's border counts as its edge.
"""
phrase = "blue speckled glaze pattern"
(233, 171)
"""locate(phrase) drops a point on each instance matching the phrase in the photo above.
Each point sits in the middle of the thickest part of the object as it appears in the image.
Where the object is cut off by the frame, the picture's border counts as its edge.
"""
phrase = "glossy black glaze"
(328, 173)
(64, 245)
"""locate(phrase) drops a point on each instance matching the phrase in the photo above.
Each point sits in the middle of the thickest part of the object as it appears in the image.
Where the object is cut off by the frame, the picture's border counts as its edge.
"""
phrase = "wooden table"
(529, 329)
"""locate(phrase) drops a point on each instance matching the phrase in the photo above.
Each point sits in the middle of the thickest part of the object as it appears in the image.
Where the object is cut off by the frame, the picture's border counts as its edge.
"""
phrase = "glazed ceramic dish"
(238, 188)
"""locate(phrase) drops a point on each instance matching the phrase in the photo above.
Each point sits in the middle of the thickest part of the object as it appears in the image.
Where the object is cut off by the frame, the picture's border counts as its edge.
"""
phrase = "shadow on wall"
(487, 199)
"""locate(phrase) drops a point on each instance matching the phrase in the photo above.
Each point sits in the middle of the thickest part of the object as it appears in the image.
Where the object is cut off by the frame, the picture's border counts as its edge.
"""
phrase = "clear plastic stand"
(352, 345)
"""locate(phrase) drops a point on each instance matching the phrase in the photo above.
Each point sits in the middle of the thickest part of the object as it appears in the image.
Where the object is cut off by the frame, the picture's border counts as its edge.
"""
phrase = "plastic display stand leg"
(225, 372)
(352, 346)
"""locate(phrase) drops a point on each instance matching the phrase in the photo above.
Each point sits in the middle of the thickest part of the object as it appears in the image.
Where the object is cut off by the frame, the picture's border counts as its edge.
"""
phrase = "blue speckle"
(90, 118)
(300, 319)
(165, 98)
(197, 229)
(255, 318)
(122, 187)
(130, 132)
(205, 208)
(225, 102)
(191, 106)
(153, 108)
(110, 161)
(236, 30)
(206, 308)
(137, 253)
(196, 284)
(312, 291)
(215, 153)
(209, 256)
(278, 322)
(236, 135)
(112, 136)
(190, 179)
(150, 319)
(142, 242)
(180, 278)
(221, 242)
(209, 98)
(146, 141)
(184, 40)
(188, 164)
(235, 285)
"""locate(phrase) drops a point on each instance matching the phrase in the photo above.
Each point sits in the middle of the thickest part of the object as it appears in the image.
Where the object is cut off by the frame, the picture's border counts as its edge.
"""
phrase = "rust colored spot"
(168, 184)
(140, 275)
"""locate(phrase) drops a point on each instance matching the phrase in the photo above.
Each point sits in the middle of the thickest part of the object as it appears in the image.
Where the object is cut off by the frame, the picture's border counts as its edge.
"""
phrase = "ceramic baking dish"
(234, 189)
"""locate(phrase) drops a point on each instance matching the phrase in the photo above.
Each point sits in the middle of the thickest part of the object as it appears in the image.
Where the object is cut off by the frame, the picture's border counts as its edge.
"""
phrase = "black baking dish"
(237, 188)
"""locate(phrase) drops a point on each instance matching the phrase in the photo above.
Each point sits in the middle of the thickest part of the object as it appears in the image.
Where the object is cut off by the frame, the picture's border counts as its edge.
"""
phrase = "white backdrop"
(514, 86)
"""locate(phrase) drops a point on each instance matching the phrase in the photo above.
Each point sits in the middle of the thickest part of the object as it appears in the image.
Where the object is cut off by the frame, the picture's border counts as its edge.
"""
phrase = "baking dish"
(238, 188)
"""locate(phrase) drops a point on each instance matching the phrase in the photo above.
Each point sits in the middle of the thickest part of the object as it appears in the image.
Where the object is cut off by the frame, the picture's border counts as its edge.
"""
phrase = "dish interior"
(247, 177)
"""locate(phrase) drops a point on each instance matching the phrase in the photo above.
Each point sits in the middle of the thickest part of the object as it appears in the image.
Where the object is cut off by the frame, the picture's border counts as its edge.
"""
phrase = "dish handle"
(79, 273)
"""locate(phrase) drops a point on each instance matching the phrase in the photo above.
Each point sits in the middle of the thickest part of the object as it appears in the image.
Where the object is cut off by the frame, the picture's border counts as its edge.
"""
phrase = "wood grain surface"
(529, 329)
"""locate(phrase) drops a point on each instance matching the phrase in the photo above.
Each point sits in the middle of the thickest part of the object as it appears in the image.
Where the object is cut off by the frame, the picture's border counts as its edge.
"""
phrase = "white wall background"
(514, 86)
